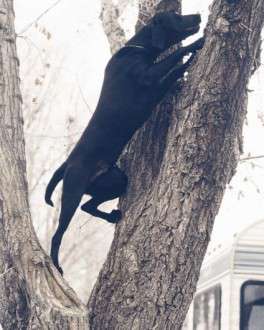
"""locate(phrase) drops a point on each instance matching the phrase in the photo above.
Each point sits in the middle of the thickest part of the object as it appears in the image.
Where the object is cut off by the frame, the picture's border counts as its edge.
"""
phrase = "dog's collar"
(146, 50)
(136, 46)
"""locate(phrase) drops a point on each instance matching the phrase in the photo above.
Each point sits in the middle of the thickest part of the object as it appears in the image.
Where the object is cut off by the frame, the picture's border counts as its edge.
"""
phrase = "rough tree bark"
(32, 293)
(179, 164)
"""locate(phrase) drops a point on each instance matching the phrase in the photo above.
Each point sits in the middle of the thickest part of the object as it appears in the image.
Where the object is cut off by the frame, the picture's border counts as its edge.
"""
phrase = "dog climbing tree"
(178, 165)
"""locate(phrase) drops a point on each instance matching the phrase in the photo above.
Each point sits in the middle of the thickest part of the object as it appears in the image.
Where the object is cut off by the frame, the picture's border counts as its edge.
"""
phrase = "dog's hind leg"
(107, 186)
(73, 189)
(91, 208)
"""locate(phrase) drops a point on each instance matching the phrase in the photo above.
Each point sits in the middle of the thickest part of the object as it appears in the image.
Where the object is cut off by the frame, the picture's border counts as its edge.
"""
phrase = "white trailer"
(230, 290)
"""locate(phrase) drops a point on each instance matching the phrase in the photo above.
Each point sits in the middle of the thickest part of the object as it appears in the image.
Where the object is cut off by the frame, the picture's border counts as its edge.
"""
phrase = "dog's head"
(168, 28)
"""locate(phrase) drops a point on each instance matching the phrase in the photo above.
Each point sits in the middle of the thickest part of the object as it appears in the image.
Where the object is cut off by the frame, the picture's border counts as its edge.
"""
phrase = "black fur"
(133, 85)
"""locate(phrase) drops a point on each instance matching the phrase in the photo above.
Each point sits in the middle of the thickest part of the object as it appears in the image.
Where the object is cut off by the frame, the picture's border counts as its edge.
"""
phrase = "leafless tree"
(179, 164)
(33, 294)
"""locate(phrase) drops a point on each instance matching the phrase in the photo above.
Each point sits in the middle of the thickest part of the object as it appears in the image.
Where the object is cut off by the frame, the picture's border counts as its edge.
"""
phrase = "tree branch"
(39, 17)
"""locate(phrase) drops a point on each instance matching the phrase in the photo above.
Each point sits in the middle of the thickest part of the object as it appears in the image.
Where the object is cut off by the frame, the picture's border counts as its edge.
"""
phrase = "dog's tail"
(57, 176)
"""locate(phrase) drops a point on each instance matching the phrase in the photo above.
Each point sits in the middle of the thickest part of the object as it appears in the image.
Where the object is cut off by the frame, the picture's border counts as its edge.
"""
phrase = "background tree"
(110, 13)
(33, 294)
(179, 164)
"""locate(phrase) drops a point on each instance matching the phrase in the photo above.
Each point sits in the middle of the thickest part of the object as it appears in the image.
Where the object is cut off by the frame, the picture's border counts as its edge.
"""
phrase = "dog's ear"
(158, 35)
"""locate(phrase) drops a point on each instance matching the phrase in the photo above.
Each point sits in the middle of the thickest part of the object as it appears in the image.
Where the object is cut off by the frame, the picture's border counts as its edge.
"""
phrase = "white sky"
(78, 38)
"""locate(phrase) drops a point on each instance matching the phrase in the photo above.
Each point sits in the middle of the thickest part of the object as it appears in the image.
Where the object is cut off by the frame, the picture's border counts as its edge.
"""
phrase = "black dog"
(133, 85)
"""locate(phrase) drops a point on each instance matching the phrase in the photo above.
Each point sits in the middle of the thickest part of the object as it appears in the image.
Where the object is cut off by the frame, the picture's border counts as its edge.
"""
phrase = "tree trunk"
(110, 13)
(178, 166)
(32, 293)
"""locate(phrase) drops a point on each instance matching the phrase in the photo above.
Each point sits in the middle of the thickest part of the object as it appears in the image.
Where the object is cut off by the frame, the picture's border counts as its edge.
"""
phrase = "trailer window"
(207, 309)
(252, 305)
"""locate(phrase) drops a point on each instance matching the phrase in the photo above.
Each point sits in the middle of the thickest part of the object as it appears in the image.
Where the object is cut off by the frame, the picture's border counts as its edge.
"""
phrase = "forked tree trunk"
(32, 293)
(178, 165)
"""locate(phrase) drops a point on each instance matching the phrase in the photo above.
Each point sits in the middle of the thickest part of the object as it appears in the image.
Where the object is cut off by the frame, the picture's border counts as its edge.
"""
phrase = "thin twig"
(82, 96)
(39, 17)
(56, 137)
(28, 40)
(249, 158)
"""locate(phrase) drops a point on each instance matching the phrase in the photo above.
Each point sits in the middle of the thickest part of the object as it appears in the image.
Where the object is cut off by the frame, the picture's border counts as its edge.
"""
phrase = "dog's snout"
(194, 19)
(198, 18)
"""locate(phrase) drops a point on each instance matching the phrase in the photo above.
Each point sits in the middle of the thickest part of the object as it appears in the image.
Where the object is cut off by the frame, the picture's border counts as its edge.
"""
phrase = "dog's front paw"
(115, 216)
(198, 44)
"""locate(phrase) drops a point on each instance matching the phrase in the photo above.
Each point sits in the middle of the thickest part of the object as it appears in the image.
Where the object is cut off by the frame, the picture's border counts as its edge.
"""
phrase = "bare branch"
(39, 17)
(251, 157)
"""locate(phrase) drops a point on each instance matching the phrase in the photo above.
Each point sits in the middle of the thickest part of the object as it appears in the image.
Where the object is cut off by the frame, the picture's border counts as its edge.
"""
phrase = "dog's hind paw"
(115, 216)
(59, 269)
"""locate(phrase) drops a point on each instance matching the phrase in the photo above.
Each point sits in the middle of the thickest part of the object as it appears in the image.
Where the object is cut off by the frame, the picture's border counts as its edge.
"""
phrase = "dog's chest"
(122, 86)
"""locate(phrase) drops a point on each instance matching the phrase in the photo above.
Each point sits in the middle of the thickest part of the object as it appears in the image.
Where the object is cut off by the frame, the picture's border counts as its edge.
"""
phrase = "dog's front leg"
(178, 72)
(161, 69)
(169, 81)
